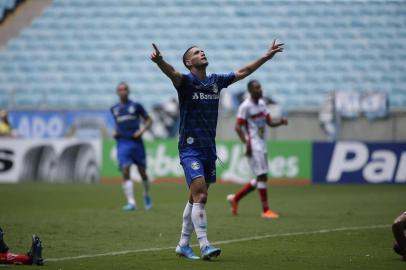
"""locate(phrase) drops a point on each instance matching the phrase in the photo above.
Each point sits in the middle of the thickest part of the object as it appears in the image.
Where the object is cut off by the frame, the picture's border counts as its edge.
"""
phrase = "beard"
(202, 65)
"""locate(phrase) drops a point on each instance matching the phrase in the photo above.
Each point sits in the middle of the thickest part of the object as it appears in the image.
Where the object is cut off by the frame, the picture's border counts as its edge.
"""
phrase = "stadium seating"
(75, 54)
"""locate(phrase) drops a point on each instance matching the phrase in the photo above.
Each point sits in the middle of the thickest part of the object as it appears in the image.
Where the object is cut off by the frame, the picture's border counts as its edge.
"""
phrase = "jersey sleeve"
(242, 115)
(142, 111)
(112, 115)
(224, 80)
(181, 87)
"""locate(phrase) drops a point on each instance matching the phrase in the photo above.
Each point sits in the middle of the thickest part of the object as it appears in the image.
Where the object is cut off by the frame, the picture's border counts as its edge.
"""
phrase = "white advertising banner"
(59, 160)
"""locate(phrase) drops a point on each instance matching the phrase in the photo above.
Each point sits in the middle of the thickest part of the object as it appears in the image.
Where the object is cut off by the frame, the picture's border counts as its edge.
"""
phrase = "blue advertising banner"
(359, 162)
(60, 124)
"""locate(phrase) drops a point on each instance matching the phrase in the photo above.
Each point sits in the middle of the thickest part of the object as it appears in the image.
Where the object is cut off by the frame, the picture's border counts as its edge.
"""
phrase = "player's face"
(197, 58)
(256, 90)
(122, 91)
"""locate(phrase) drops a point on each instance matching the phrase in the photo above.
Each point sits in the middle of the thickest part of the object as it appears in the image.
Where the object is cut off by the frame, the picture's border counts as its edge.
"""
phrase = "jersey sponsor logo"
(195, 165)
(123, 118)
(204, 96)
(258, 115)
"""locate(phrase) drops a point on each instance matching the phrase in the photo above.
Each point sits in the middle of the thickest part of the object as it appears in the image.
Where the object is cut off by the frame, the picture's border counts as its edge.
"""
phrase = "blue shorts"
(131, 152)
(198, 162)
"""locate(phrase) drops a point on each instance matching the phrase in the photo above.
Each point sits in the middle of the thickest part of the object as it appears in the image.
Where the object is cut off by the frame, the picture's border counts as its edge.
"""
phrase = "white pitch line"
(223, 242)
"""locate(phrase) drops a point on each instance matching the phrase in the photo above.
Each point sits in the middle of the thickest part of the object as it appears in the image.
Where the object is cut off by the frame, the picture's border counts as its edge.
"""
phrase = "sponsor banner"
(60, 124)
(287, 160)
(359, 162)
(59, 160)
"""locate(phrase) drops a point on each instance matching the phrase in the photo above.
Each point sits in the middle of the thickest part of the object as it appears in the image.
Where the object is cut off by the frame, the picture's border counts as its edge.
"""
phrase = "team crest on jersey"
(131, 109)
(195, 165)
(190, 140)
(215, 88)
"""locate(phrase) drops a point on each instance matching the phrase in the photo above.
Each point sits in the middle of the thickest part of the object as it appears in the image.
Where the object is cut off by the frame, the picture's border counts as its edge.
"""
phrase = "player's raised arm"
(251, 67)
(166, 68)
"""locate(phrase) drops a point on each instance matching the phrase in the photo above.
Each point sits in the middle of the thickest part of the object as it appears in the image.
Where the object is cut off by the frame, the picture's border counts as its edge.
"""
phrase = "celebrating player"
(252, 119)
(399, 232)
(198, 95)
(130, 147)
(34, 256)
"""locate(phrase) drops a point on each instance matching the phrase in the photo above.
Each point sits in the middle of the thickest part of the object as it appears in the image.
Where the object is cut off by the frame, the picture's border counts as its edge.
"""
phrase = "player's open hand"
(275, 48)
(156, 54)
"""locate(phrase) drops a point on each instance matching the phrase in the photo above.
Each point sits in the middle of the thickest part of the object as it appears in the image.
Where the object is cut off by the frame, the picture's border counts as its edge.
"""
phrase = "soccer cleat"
(129, 207)
(36, 251)
(147, 202)
(3, 246)
(210, 252)
(187, 252)
(233, 204)
(269, 214)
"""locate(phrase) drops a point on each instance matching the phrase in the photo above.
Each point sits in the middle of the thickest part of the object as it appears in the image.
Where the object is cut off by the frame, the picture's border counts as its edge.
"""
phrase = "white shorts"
(258, 162)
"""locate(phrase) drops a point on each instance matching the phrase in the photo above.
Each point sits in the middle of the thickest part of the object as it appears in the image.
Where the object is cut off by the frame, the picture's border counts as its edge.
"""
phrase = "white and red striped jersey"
(253, 117)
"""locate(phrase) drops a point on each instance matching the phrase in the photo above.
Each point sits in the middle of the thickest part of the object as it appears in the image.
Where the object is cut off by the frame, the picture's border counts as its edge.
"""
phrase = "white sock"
(128, 191)
(187, 225)
(145, 184)
(199, 220)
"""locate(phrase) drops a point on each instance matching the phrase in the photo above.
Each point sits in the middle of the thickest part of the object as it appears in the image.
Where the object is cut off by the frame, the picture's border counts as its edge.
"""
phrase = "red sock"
(11, 258)
(263, 194)
(247, 188)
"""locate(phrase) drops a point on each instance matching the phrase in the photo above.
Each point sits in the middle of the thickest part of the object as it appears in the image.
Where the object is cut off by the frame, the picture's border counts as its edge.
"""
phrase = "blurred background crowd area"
(342, 75)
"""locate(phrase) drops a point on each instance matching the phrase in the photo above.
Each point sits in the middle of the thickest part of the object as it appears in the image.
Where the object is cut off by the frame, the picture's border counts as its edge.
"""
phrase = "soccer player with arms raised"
(252, 119)
(198, 95)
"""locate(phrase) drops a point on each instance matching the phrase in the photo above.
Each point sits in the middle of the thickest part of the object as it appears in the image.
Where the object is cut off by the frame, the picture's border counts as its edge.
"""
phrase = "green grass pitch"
(77, 219)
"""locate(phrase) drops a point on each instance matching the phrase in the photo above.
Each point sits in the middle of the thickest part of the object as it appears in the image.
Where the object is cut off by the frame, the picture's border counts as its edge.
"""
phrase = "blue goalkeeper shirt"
(199, 102)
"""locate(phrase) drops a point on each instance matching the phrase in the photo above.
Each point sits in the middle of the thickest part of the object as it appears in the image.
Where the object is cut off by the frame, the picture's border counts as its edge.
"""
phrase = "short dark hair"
(250, 83)
(184, 55)
(125, 84)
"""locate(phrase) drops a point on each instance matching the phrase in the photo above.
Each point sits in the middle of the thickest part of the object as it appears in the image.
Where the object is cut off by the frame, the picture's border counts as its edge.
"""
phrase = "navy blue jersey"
(199, 102)
(127, 118)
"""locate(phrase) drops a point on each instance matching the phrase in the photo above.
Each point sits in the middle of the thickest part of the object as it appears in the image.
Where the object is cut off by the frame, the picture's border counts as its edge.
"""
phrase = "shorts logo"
(190, 140)
(131, 109)
(213, 173)
(195, 96)
(195, 165)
